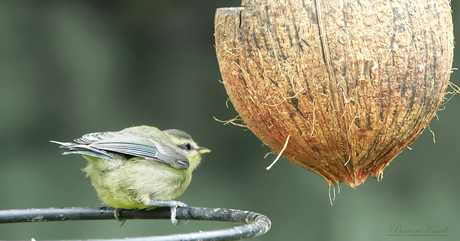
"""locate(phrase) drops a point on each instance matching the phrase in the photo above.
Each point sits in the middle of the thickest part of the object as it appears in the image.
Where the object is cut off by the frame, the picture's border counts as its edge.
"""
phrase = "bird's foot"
(116, 213)
(173, 205)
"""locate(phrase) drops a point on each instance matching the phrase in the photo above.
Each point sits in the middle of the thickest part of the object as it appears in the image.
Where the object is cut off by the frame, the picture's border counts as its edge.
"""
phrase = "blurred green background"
(68, 68)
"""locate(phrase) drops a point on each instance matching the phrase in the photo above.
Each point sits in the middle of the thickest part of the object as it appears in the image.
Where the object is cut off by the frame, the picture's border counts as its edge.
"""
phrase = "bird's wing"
(131, 145)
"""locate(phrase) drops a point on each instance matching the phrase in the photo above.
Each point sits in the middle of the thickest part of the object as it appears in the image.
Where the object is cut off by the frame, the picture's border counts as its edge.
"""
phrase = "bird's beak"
(203, 150)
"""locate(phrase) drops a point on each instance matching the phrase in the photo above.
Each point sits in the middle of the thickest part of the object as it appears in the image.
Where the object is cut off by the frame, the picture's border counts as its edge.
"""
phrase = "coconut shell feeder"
(339, 87)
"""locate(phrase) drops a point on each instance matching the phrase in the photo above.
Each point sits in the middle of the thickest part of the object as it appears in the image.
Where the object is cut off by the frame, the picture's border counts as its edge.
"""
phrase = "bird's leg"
(172, 204)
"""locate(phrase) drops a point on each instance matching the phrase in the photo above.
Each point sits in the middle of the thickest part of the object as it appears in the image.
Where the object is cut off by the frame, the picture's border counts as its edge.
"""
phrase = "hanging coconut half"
(342, 87)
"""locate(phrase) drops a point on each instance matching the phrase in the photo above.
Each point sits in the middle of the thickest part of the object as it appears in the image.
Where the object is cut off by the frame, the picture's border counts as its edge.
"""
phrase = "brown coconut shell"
(351, 83)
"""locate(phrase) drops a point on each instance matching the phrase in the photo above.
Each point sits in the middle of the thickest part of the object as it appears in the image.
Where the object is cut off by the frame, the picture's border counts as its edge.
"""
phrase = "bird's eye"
(186, 146)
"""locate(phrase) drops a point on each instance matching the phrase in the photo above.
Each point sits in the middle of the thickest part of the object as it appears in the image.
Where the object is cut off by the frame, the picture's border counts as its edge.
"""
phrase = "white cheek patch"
(158, 146)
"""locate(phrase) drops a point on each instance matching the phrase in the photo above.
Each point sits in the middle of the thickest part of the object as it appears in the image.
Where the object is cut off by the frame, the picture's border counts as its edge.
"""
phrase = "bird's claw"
(116, 213)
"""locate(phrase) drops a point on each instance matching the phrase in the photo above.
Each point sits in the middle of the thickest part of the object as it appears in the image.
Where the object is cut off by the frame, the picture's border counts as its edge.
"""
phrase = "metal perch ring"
(255, 224)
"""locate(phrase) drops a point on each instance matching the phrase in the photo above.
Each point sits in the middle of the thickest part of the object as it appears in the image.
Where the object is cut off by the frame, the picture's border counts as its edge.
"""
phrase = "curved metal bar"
(255, 224)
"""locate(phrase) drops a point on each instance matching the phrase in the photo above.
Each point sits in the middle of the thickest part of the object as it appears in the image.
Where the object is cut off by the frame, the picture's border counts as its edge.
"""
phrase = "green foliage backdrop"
(72, 67)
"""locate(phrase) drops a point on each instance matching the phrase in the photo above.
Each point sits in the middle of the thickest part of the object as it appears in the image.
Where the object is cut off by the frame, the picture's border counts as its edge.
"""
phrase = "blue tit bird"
(139, 167)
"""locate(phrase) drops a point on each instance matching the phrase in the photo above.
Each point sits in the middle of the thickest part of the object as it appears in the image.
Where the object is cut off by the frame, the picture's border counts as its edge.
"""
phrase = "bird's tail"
(82, 149)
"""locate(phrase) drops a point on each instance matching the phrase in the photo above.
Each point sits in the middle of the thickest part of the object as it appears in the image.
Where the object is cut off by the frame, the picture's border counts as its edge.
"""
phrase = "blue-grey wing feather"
(143, 147)
(94, 137)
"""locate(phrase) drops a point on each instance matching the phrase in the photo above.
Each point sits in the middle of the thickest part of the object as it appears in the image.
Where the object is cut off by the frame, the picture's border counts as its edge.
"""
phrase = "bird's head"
(185, 142)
